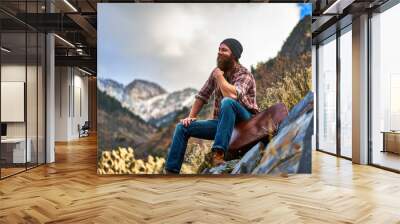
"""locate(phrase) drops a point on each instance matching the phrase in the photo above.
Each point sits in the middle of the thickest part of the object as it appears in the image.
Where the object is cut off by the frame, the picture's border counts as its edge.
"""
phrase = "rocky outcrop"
(225, 168)
(288, 152)
(249, 161)
(283, 153)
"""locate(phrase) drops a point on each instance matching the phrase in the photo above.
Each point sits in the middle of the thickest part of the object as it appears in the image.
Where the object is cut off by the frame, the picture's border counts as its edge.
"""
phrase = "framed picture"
(190, 88)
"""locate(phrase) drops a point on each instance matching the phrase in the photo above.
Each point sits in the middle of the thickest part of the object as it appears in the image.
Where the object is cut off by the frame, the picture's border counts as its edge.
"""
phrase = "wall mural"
(204, 88)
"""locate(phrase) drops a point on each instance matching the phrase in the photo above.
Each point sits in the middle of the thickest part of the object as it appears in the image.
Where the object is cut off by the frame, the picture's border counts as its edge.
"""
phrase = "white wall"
(71, 94)
(16, 73)
(33, 126)
(61, 103)
(80, 109)
(11, 73)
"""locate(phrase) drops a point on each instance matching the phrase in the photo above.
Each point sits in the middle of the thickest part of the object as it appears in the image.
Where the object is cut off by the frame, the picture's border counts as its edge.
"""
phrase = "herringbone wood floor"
(69, 191)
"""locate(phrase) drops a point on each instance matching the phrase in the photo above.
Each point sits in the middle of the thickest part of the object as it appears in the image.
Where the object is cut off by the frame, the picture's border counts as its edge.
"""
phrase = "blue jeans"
(220, 131)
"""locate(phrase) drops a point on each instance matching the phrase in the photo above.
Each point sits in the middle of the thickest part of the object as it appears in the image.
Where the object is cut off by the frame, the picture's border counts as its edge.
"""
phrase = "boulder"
(224, 168)
(249, 161)
(290, 150)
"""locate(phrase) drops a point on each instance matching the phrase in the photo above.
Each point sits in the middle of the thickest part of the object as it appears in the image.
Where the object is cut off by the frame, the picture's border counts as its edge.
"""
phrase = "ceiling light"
(5, 50)
(70, 5)
(79, 51)
(86, 72)
(65, 41)
(338, 6)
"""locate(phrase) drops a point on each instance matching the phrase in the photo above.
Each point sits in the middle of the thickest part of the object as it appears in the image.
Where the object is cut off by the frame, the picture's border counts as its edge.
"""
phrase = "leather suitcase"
(261, 127)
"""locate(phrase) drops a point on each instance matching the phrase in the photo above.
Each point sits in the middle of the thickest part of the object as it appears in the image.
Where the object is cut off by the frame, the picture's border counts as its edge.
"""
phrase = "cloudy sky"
(175, 45)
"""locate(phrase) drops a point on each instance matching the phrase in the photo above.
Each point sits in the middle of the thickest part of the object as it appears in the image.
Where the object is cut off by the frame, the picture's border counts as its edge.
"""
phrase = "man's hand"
(186, 121)
(227, 89)
(217, 73)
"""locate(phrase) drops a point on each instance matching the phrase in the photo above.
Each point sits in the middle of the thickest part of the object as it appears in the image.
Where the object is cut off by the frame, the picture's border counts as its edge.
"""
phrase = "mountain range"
(148, 100)
(119, 127)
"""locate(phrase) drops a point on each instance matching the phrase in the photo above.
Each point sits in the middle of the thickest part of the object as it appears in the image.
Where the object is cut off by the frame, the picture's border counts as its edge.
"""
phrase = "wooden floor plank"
(70, 191)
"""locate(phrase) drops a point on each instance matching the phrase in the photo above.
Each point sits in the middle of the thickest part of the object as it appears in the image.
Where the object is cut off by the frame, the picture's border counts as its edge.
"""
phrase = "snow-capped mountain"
(148, 100)
(111, 87)
(159, 107)
(142, 90)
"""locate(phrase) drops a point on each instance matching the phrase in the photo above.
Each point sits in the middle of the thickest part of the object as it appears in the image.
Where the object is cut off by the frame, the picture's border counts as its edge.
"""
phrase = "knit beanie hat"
(234, 45)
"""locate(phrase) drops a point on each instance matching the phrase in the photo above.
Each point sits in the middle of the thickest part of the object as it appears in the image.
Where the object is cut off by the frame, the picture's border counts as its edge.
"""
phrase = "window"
(23, 77)
(385, 89)
(346, 93)
(327, 96)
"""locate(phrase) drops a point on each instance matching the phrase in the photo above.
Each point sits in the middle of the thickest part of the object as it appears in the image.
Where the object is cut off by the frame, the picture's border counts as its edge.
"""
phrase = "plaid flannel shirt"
(245, 86)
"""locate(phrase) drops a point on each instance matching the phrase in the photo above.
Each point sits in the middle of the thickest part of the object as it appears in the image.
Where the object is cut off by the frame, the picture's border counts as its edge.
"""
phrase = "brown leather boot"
(217, 158)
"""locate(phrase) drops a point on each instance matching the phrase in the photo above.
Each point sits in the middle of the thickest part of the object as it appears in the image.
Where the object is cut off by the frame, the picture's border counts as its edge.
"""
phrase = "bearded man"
(234, 90)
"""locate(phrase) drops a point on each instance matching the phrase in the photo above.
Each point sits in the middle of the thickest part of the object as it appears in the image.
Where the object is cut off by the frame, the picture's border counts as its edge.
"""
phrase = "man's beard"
(225, 63)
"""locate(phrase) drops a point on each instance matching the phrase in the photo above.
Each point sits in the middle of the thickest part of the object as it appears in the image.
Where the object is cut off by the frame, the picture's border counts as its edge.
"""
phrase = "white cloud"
(176, 45)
